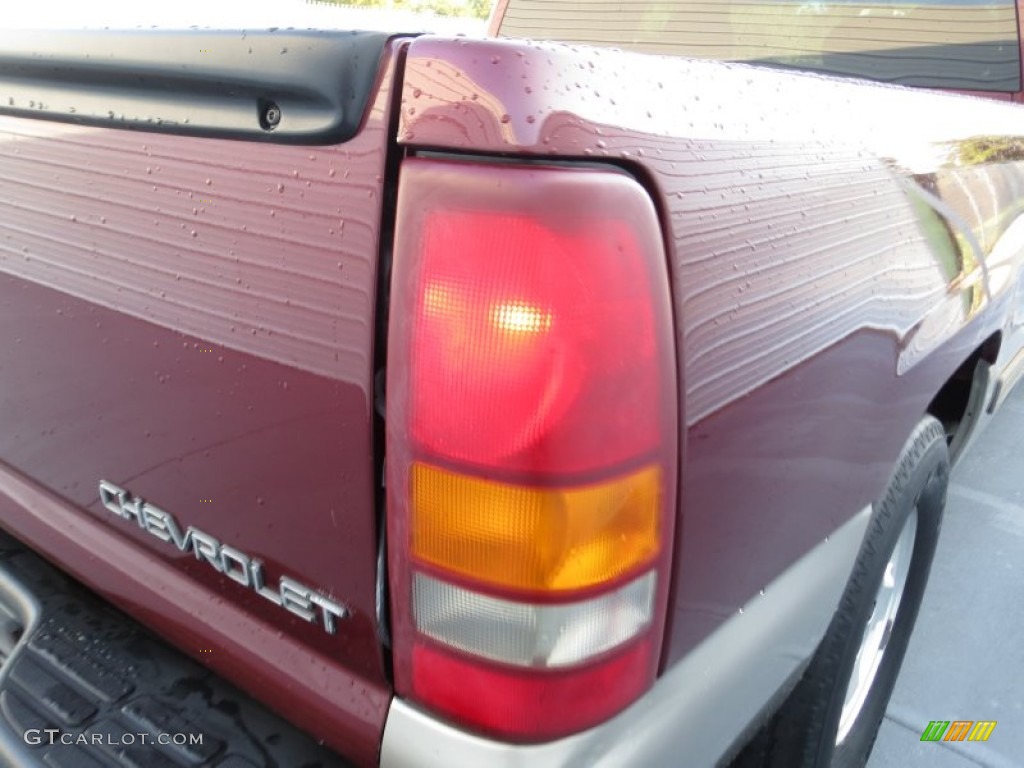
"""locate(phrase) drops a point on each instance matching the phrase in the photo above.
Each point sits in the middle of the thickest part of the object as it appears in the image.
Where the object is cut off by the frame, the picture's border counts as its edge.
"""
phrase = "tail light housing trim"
(531, 440)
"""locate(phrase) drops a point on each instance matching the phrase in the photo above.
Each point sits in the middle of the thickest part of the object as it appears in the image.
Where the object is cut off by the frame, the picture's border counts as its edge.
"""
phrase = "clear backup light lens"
(529, 635)
(531, 444)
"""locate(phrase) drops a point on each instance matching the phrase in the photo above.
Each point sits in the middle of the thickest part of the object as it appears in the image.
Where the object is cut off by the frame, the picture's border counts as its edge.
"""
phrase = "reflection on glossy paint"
(967, 208)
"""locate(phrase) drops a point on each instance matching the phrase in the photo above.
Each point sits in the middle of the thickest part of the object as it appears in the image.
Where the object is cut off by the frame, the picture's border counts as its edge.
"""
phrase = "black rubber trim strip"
(195, 82)
(93, 676)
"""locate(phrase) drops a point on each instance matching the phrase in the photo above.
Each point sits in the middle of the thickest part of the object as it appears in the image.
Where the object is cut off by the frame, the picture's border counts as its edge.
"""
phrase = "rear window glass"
(965, 45)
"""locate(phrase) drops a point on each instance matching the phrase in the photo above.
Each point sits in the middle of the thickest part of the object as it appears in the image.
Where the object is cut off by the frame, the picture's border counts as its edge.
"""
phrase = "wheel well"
(957, 405)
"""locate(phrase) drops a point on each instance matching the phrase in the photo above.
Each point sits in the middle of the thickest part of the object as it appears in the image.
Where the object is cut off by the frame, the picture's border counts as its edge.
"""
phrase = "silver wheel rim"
(879, 628)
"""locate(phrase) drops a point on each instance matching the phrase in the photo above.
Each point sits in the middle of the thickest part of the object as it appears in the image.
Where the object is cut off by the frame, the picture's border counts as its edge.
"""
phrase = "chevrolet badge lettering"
(289, 594)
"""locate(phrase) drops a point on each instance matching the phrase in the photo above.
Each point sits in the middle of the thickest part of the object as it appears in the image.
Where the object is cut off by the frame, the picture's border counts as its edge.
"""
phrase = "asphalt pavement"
(966, 657)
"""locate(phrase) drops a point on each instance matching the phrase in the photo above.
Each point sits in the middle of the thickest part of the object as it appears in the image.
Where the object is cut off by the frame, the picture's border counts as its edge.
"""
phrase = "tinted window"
(968, 45)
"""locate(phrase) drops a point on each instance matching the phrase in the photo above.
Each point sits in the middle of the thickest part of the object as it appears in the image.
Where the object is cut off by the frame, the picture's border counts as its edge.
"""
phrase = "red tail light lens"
(531, 444)
(518, 333)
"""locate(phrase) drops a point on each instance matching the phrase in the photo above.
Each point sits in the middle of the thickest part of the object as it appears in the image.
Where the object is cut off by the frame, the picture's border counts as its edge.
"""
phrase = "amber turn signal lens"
(535, 538)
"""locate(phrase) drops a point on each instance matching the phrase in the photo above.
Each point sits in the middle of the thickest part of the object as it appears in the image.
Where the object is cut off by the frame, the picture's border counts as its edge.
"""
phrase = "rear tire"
(833, 715)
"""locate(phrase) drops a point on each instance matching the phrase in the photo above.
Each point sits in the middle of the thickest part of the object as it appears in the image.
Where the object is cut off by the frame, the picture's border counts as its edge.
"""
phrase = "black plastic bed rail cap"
(284, 86)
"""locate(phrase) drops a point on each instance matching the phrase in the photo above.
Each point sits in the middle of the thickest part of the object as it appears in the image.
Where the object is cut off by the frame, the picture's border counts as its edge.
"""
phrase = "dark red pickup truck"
(419, 401)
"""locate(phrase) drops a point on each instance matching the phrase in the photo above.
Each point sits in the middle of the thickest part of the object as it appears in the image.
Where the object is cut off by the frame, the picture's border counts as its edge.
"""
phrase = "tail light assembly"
(531, 445)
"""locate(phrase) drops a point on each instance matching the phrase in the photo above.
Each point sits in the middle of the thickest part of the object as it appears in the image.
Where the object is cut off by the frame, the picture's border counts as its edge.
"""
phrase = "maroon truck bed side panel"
(821, 299)
(192, 319)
